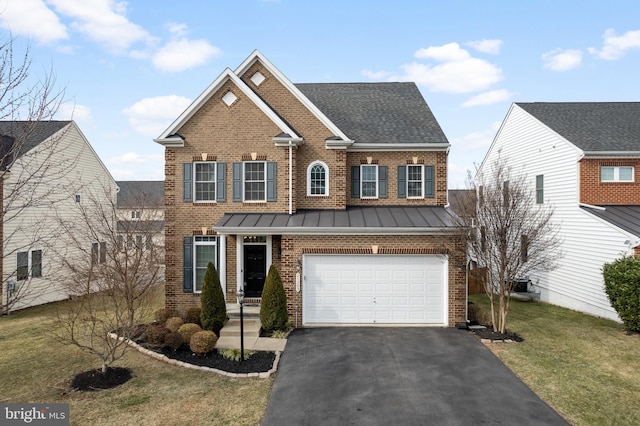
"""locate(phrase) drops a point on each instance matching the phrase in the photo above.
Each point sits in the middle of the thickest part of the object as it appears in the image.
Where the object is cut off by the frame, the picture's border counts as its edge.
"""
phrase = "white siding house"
(51, 170)
(555, 141)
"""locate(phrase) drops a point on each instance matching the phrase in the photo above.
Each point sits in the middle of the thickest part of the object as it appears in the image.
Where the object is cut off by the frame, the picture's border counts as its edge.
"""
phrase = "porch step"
(248, 312)
(232, 328)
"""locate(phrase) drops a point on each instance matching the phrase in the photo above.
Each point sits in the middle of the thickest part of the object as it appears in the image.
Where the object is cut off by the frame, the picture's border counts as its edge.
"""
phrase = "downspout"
(290, 177)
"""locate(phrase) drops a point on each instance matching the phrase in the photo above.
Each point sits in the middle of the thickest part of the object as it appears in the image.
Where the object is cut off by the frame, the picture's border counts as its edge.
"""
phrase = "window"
(205, 252)
(616, 174)
(135, 214)
(77, 198)
(29, 264)
(149, 243)
(254, 181)
(505, 193)
(204, 181)
(415, 182)
(99, 252)
(540, 189)
(369, 181)
(524, 248)
(483, 238)
(317, 179)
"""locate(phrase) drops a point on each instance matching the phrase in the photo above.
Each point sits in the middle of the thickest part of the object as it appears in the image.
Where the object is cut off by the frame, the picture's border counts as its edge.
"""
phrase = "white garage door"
(374, 289)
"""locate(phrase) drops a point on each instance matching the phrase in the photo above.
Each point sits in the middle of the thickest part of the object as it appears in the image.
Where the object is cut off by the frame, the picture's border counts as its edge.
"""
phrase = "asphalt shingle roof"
(29, 134)
(592, 126)
(141, 193)
(376, 112)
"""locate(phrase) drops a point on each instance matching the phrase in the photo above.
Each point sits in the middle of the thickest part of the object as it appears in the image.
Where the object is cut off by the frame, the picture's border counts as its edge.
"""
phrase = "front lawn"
(586, 368)
(35, 368)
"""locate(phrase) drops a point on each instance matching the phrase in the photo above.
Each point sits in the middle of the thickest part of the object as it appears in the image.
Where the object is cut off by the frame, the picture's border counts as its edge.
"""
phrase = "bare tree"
(509, 234)
(113, 268)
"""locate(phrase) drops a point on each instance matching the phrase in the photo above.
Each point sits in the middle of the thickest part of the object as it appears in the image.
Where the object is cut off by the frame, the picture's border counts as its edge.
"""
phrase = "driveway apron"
(398, 376)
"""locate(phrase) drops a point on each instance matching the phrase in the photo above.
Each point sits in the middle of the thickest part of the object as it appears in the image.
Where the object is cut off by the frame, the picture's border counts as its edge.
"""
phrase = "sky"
(128, 69)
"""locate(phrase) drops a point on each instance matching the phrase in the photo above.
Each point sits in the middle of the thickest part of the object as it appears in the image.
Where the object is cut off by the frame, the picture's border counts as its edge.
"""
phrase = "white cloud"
(465, 76)
(456, 72)
(614, 47)
(151, 116)
(32, 18)
(134, 159)
(183, 54)
(486, 46)
(78, 113)
(488, 98)
(445, 53)
(103, 21)
(478, 139)
(134, 166)
(562, 60)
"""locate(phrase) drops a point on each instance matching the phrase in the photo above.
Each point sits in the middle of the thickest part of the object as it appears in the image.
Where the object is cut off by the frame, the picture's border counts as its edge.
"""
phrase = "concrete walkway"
(230, 333)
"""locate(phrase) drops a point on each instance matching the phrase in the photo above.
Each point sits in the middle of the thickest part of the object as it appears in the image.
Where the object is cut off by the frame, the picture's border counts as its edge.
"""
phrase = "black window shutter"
(355, 181)
(187, 261)
(187, 182)
(383, 182)
(271, 181)
(429, 187)
(402, 181)
(221, 182)
(237, 181)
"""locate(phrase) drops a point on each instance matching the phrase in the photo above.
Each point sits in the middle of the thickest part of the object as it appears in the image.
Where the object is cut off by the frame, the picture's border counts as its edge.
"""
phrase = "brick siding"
(593, 191)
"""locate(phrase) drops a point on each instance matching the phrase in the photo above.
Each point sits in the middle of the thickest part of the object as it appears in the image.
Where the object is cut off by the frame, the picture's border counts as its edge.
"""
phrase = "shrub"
(187, 330)
(193, 315)
(234, 354)
(622, 285)
(174, 323)
(174, 340)
(203, 342)
(273, 307)
(214, 308)
(155, 334)
(477, 314)
(163, 314)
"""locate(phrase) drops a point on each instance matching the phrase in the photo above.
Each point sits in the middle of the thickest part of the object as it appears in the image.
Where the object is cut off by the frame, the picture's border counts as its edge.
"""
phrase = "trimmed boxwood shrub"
(155, 334)
(213, 313)
(163, 314)
(193, 315)
(174, 323)
(203, 342)
(273, 307)
(622, 285)
(173, 340)
(187, 330)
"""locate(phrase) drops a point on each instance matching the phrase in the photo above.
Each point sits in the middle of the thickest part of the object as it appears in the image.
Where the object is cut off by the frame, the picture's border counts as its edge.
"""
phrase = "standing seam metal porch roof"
(625, 217)
(353, 220)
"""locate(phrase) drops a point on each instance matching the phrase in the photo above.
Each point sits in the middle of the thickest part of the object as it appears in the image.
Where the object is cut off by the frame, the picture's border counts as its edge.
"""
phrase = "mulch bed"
(94, 380)
(489, 334)
(259, 362)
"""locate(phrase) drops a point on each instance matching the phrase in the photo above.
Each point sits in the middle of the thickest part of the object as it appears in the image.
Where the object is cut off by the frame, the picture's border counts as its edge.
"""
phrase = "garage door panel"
(374, 289)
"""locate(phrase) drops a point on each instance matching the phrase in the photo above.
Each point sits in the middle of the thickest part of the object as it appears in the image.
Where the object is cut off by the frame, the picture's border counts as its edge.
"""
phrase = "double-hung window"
(255, 181)
(616, 173)
(204, 178)
(99, 252)
(205, 252)
(540, 189)
(29, 264)
(415, 181)
(369, 181)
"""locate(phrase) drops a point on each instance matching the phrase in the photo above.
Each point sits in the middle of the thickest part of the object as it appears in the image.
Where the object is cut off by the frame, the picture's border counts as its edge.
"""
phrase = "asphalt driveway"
(398, 376)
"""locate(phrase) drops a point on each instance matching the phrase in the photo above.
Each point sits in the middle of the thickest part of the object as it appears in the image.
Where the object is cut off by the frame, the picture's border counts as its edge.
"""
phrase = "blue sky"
(130, 68)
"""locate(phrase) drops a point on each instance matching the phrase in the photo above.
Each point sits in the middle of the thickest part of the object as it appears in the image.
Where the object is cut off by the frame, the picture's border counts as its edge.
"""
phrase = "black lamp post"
(241, 301)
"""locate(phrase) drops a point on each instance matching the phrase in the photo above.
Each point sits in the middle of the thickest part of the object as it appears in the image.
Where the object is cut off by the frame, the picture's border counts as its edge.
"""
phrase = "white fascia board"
(336, 231)
(287, 141)
(391, 147)
(256, 55)
(167, 136)
(338, 144)
(609, 154)
(171, 142)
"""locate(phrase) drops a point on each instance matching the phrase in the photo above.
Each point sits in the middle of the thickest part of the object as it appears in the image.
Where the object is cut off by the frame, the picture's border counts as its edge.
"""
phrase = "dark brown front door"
(255, 269)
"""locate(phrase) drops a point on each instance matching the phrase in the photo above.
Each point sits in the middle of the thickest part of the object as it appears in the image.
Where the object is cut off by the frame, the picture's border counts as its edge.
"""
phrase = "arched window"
(317, 179)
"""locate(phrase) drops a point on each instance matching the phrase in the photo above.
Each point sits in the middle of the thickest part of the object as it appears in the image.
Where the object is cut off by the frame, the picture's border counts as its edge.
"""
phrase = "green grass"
(35, 368)
(586, 368)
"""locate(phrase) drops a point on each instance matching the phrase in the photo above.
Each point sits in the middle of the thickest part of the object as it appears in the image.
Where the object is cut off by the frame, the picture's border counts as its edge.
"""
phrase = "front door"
(255, 269)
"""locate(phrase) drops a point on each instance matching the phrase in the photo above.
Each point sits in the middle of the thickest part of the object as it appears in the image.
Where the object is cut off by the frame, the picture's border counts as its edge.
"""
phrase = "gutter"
(337, 231)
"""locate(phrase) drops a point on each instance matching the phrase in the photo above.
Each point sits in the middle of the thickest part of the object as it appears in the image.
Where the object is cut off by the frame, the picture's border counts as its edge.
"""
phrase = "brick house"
(343, 187)
(582, 159)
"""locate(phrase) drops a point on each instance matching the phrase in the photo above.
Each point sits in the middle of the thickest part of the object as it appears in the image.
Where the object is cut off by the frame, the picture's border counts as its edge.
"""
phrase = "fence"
(477, 279)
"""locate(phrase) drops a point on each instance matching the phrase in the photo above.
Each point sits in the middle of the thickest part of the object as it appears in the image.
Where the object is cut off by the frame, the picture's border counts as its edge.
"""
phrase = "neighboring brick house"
(343, 187)
(140, 206)
(583, 160)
